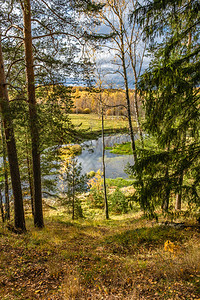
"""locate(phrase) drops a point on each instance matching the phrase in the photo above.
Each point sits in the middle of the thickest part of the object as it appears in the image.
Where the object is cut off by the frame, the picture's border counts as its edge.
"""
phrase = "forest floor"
(126, 257)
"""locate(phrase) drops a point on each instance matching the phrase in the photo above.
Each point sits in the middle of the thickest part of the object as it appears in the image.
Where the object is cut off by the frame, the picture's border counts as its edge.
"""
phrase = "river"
(91, 156)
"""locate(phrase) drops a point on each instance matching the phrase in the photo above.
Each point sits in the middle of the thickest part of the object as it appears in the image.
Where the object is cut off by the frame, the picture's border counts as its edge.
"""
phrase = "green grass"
(119, 182)
(122, 258)
(92, 122)
(131, 240)
(125, 148)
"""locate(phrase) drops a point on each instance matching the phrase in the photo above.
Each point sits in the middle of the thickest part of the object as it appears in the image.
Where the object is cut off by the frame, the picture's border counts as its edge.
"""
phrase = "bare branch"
(12, 64)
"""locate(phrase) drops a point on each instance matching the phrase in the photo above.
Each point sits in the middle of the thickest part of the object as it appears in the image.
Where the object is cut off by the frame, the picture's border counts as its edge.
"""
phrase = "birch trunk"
(104, 168)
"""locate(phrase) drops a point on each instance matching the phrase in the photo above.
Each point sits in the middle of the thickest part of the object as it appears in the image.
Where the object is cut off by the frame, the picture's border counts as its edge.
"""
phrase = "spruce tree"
(73, 183)
(170, 88)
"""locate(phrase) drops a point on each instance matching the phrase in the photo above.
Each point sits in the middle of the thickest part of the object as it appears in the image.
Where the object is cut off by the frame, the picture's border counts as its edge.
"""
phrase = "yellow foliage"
(171, 247)
(96, 181)
(70, 151)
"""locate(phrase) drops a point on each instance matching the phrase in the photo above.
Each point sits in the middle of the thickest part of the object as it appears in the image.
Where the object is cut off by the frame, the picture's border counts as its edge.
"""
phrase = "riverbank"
(125, 148)
(126, 257)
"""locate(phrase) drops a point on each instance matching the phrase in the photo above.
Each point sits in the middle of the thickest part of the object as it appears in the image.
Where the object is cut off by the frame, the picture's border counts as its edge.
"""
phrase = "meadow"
(92, 122)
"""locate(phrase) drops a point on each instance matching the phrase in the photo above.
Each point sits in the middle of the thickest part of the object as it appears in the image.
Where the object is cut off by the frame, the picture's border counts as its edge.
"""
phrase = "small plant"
(73, 184)
(86, 111)
(96, 190)
(91, 174)
(118, 202)
(171, 247)
(71, 287)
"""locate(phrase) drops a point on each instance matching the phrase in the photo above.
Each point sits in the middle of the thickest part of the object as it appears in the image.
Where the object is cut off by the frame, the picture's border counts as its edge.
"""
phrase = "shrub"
(76, 149)
(109, 112)
(96, 190)
(96, 198)
(122, 112)
(70, 150)
(73, 110)
(91, 174)
(86, 111)
(118, 202)
(79, 110)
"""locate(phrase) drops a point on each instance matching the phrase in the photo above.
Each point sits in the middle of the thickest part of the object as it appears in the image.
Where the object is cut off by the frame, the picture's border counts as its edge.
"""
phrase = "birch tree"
(128, 51)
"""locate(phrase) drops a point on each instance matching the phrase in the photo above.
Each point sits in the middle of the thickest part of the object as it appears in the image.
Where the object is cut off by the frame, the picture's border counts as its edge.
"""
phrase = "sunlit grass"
(122, 258)
(125, 148)
(92, 122)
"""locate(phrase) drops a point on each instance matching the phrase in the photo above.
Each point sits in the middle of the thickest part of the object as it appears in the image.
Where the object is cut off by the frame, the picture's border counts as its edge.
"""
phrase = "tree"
(125, 44)
(42, 61)
(102, 103)
(38, 214)
(11, 148)
(73, 184)
(171, 91)
(6, 183)
(103, 158)
(2, 208)
(125, 41)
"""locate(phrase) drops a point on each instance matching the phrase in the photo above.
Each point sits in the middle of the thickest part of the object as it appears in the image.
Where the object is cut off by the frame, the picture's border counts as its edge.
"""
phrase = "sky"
(106, 59)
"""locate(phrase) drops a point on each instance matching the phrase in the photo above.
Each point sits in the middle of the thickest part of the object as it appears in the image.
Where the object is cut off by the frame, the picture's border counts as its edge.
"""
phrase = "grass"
(125, 148)
(119, 182)
(123, 258)
(92, 122)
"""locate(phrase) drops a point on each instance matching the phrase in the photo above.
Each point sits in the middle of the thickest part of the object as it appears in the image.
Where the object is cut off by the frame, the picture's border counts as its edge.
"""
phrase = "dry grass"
(71, 286)
(123, 258)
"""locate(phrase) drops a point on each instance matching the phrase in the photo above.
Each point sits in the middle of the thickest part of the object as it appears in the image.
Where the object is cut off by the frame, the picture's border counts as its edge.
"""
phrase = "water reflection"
(91, 157)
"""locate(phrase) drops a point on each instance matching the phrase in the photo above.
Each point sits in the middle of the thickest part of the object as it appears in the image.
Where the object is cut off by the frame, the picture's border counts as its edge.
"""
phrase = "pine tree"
(73, 184)
(11, 148)
(45, 45)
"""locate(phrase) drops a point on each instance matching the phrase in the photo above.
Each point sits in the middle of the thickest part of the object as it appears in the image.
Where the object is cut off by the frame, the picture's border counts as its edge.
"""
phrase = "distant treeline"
(87, 101)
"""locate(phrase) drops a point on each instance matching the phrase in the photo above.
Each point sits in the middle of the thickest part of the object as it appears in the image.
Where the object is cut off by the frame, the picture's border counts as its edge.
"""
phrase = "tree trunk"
(179, 195)
(129, 110)
(178, 202)
(1, 208)
(38, 213)
(165, 202)
(103, 162)
(30, 178)
(5, 165)
(11, 149)
(137, 114)
(73, 194)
